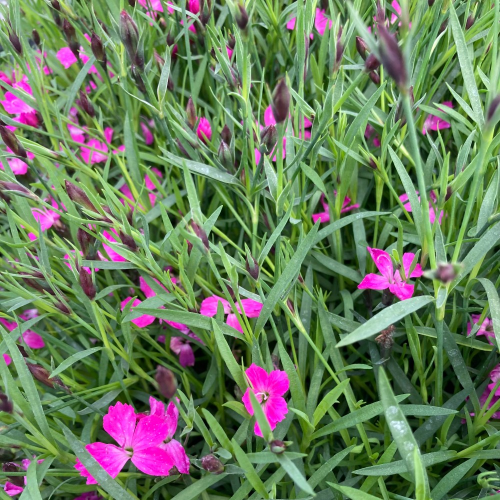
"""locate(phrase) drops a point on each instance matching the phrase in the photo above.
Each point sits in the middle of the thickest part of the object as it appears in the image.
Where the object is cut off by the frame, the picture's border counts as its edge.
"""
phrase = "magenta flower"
(269, 389)
(66, 57)
(112, 254)
(182, 347)
(12, 489)
(432, 212)
(138, 439)
(433, 122)
(7, 359)
(32, 339)
(15, 105)
(18, 166)
(70, 257)
(46, 217)
(95, 150)
(485, 329)
(320, 22)
(148, 135)
(390, 279)
(5, 78)
(141, 321)
(369, 132)
(325, 216)
(149, 186)
(251, 309)
(204, 130)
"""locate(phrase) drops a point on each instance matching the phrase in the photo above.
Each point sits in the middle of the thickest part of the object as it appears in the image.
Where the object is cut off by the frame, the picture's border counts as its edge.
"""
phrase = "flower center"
(264, 396)
(129, 451)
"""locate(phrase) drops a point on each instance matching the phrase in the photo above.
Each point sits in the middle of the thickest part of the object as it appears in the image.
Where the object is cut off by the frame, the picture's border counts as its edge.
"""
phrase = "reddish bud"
(242, 17)
(392, 57)
(231, 41)
(374, 77)
(131, 3)
(85, 240)
(277, 447)
(42, 375)
(430, 3)
(268, 138)
(69, 30)
(492, 110)
(225, 156)
(10, 140)
(280, 104)
(79, 196)
(212, 464)
(252, 267)
(225, 135)
(63, 308)
(470, 21)
(201, 233)
(55, 5)
(87, 284)
(98, 48)
(449, 193)
(5, 404)
(36, 37)
(167, 384)
(15, 188)
(16, 43)
(130, 37)
(128, 241)
(191, 113)
(372, 63)
(86, 105)
(13, 467)
(361, 47)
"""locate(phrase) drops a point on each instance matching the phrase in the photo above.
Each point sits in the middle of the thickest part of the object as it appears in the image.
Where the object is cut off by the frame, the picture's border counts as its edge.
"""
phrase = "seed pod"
(167, 384)
(212, 464)
(98, 48)
(16, 43)
(392, 58)
(242, 17)
(281, 102)
(277, 447)
(372, 63)
(225, 156)
(361, 47)
(87, 284)
(10, 140)
(36, 37)
(268, 138)
(79, 196)
(86, 105)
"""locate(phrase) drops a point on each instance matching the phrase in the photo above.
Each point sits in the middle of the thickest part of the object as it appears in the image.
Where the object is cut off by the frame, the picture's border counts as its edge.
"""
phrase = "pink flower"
(71, 258)
(432, 212)
(433, 122)
(18, 166)
(182, 347)
(320, 22)
(7, 359)
(251, 308)
(485, 329)
(32, 339)
(172, 447)
(138, 440)
(14, 105)
(141, 321)
(12, 490)
(155, 5)
(5, 78)
(149, 186)
(112, 254)
(46, 217)
(100, 149)
(148, 135)
(390, 279)
(204, 130)
(269, 389)
(325, 216)
(369, 131)
(66, 57)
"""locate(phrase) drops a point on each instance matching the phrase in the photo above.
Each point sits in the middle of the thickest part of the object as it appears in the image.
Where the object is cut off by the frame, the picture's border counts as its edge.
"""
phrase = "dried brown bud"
(98, 48)
(167, 384)
(385, 339)
(212, 464)
(87, 284)
(10, 140)
(42, 375)
(361, 47)
(36, 37)
(79, 196)
(191, 113)
(392, 58)
(280, 104)
(5, 404)
(277, 447)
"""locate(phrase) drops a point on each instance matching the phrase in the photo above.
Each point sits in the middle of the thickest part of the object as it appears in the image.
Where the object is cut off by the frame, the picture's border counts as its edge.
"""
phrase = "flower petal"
(374, 282)
(251, 307)
(177, 455)
(119, 423)
(383, 262)
(33, 340)
(153, 460)
(172, 417)
(232, 320)
(150, 431)
(258, 378)
(278, 383)
(402, 290)
(407, 260)
(275, 410)
(111, 458)
(209, 306)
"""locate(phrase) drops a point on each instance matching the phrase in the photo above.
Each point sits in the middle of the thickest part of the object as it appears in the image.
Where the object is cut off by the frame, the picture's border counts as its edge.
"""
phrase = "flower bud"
(87, 284)
(392, 58)
(63, 308)
(225, 156)
(470, 21)
(242, 17)
(361, 47)
(130, 37)
(212, 464)
(206, 11)
(201, 233)
(372, 63)
(252, 267)
(430, 3)
(69, 31)
(138, 79)
(191, 113)
(6, 404)
(445, 272)
(131, 3)
(443, 26)
(98, 48)
(86, 105)
(231, 41)
(280, 104)
(225, 135)
(79, 196)
(16, 188)
(13, 467)
(374, 77)
(495, 103)
(128, 241)
(85, 240)
(36, 37)
(449, 193)
(10, 140)
(158, 59)
(268, 138)
(42, 375)
(167, 384)
(277, 447)
(339, 53)
(55, 5)
(16, 43)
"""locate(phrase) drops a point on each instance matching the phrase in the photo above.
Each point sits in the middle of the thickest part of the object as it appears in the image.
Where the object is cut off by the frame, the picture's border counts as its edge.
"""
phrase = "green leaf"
(386, 317)
(451, 479)
(264, 426)
(494, 303)
(250, 472)
(329, 400)
(353, 493)
(73, 359)
(295, 475)
(194, 491)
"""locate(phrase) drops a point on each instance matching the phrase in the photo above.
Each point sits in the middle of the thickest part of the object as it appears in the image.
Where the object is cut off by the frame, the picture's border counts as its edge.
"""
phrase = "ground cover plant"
(249, 249)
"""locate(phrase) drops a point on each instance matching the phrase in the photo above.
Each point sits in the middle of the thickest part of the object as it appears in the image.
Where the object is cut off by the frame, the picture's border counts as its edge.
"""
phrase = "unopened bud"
(191, 113)
(69, 30)
(131, 3)
(231, 41)
(380, 13)
(85, 240)
(339, 52)
(372, 63)
(225, 156)
(268, 138)
(252, 267)
(63, 308)
(445, 272)
(449, 193)
(10, 140)
(372, 164)
(430, 3)
(470, 21)
(14, 187)
(212, 464)
(55, 5)
(42, 375)
(86, 105)
(277, 447)
(374, 77)
(289, 303)
(130, 38)
(225, 135)
(158, 59)
(392, 58)
(167, 384)
(242, 17)
(79, 196)
(361, 47)
(5, 404)
(138, 79)
(443, 26)
(201, 233)
(280, 104)
(36, 37)
(98, 48)
(206, 11)
(87, 284)
(492, 110)
(128, 241)
(13, 467)
(16, 43)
